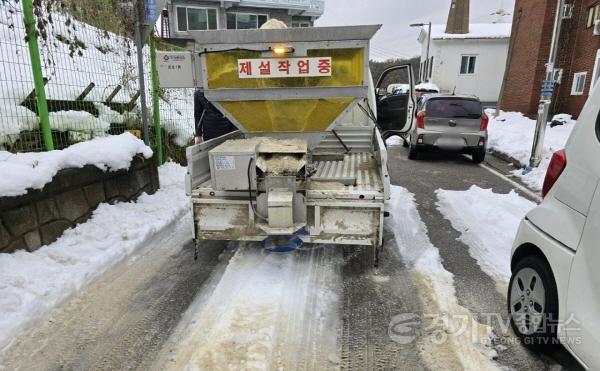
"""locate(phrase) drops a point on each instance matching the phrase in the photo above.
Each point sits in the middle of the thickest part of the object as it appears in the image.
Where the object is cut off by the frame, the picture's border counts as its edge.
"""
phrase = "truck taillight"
(485, 120)
(421, 119)
(555, 169)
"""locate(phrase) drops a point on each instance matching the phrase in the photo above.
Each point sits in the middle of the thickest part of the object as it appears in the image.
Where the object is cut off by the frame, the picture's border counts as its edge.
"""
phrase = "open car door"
(396, 101)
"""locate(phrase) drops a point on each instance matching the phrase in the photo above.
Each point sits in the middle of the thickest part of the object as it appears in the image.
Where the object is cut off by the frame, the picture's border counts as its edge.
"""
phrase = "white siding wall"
(491, 64)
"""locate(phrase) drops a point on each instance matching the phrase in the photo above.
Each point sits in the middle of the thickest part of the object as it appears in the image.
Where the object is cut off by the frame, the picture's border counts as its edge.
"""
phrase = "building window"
(196, 19)
(300, 24)
(579, 83)
(467, 65)
(596, 75)
(245, 21)
(593, 12)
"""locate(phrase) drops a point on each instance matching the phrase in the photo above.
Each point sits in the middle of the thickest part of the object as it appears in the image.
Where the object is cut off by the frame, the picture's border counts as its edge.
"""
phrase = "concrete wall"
(489, 71)
(41, 216)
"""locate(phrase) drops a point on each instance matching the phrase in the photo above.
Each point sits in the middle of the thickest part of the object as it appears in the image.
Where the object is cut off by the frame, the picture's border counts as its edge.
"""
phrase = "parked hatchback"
(554, 292)
(447, 122)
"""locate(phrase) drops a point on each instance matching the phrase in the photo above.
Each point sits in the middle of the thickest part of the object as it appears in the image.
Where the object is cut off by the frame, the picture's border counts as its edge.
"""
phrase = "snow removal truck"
(309, 162)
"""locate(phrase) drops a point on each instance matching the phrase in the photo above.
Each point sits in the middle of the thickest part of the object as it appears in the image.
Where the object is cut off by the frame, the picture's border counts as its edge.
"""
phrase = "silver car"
(447, 122)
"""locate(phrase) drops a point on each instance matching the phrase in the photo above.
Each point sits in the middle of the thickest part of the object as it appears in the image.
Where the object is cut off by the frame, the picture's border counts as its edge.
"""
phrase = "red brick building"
(578, 59)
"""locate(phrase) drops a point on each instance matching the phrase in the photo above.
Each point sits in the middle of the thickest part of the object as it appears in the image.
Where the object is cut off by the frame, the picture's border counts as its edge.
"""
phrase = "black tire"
(543, 335)
(413, 153)
(479, 157)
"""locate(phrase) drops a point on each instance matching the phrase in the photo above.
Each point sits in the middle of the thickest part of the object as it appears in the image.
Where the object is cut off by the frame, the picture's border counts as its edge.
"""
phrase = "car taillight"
(421, 119)
(555, 169)
(485, 120)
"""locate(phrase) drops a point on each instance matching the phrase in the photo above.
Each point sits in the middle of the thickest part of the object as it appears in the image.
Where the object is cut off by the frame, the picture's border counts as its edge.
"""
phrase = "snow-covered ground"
(267, 311)
(469, 340)
(32, 284)
(488, 223)
(23, 171)
(512, 134)
(280, 311)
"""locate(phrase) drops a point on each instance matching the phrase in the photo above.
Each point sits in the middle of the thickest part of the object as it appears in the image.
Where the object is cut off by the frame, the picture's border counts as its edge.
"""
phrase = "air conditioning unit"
(597, 28)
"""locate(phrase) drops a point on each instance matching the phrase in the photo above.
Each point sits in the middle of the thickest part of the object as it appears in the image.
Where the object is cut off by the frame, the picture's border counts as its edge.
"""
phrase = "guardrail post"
(155, 100)
(38, 78)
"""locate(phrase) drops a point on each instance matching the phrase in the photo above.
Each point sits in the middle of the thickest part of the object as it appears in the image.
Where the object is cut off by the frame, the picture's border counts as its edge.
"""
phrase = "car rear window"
(455, 108)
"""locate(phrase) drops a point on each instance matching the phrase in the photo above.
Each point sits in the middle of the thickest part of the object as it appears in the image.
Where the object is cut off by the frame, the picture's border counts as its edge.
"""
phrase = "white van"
(554, 293)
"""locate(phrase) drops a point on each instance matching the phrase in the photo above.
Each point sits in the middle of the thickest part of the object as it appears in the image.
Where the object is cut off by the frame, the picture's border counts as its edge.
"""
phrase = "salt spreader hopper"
(308, 163)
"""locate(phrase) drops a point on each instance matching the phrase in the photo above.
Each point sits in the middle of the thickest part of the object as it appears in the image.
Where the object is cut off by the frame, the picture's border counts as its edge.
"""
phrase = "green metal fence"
(87, 69)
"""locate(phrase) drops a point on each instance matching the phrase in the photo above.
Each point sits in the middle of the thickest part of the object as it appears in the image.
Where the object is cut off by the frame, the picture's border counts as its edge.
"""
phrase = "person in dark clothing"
(210, 122)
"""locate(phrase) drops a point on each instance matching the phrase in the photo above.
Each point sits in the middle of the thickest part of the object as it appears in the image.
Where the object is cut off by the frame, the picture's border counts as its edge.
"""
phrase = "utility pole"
(139, 42)
(428, 42)
(428, 47)
(547, 92)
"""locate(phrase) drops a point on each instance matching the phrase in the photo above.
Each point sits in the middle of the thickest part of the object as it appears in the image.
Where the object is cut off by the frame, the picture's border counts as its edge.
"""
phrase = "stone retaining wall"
(41, 216)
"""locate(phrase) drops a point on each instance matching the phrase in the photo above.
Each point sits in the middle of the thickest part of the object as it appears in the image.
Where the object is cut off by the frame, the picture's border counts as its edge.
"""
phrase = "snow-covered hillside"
(103, 58)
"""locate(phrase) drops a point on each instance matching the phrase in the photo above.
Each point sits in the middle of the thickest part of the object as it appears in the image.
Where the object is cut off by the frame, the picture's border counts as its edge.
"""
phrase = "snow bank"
(472, 344)
(488, 223)
(22, 171)
(78, 120)
(476, 31)
(15, 119)
(32, 284)
(511, 133)
(394, 141)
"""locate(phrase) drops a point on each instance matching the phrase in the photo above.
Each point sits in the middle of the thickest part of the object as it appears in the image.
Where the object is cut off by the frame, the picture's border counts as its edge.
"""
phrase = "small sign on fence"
(175, 69)
(287, 67)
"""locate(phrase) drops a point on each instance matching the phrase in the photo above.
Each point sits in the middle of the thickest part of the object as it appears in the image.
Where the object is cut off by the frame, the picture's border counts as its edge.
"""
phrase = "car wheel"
(533, 303)
(412, 152)
(479, 157)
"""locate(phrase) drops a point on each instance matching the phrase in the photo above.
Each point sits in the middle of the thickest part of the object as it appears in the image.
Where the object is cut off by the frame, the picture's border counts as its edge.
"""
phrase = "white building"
(183, 16)
(468, 63)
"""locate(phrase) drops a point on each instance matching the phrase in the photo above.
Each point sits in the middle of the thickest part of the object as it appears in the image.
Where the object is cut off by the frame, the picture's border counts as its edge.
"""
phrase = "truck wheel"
(479, 156)
(533, 303)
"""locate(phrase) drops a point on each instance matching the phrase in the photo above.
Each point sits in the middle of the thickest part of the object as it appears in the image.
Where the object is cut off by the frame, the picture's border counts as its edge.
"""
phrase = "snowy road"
(239, 308)
(476, 290)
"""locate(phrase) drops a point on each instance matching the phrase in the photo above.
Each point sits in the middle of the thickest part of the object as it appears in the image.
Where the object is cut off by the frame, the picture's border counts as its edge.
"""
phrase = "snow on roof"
(476, 31)
(427, 86)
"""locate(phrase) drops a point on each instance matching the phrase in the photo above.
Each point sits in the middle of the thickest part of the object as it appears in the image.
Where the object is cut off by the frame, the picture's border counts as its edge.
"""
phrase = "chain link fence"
(90, 72)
